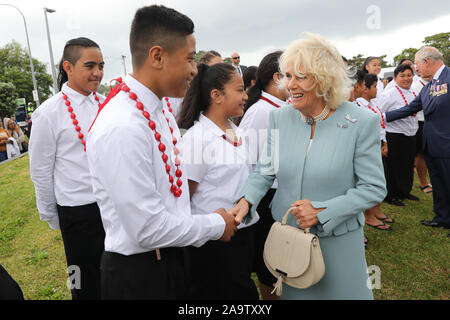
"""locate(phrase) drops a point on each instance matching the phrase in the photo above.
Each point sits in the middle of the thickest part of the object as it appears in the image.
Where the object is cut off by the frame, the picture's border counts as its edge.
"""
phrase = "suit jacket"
(434, 100)
(342, 173)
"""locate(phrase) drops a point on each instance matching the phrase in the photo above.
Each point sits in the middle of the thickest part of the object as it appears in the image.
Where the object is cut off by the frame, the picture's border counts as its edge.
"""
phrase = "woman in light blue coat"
(325, 154)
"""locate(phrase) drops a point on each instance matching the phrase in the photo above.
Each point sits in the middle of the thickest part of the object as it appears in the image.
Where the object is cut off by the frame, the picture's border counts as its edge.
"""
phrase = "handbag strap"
(286, 216)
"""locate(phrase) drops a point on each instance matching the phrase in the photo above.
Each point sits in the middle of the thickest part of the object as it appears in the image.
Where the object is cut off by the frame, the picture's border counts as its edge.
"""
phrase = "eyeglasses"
(235, 58)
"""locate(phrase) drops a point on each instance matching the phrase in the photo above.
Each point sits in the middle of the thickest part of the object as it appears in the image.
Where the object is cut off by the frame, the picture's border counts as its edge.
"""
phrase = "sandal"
(378, 226)
(425, 187)
(387, 219)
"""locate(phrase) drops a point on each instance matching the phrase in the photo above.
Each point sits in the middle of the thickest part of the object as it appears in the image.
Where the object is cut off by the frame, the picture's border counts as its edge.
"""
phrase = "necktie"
(239, 70)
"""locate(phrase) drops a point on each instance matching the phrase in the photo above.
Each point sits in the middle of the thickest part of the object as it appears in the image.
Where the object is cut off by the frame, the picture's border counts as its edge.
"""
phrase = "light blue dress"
(343, 173)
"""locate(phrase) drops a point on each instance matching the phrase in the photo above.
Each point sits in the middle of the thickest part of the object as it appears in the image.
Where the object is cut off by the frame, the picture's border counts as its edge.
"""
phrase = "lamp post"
(52, 63)
(35, 92)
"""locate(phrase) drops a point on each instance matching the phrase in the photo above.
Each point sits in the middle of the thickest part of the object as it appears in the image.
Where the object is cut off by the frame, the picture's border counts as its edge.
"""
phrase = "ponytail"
(198, 96)
(267, 68)
(72, 53)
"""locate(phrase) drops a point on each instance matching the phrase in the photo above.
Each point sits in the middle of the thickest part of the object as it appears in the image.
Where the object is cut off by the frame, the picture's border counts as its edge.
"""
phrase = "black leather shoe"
(411, 197)
(429, 223)
(395, 202)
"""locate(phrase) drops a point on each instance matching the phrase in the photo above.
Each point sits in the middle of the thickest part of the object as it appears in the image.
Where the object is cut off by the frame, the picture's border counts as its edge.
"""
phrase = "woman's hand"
(240, 210)
(305, 213)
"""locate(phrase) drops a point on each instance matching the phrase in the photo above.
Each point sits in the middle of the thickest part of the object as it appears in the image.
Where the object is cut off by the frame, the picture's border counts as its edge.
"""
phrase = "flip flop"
(387, 219)
(426, 186)
(378, 226)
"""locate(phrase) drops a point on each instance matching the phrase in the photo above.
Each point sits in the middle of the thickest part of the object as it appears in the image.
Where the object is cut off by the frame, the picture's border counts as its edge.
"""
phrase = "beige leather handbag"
(293, 256)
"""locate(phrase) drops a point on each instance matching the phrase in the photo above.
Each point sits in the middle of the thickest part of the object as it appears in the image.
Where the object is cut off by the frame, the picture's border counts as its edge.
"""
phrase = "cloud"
(251, 28)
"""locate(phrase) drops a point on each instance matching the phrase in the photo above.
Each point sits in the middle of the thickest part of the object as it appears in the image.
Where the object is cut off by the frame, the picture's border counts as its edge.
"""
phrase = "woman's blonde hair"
(324, 63)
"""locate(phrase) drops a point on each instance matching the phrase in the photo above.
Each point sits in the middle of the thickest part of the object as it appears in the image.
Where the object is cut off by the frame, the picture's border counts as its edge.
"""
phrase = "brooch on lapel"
(349, 119)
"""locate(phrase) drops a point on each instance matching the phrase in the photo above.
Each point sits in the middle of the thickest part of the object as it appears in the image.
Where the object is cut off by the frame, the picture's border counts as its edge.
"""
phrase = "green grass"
(413, 259)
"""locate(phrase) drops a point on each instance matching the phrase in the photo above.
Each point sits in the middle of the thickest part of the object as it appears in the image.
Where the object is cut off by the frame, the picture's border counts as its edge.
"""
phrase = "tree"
(199, 55)
(15, 68)
(440, 41)
(227, 60)
(407, 54)
(8, 96)
(357, 61)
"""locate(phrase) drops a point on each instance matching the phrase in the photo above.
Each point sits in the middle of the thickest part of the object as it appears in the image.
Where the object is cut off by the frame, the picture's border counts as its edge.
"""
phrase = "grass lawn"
(413, 259)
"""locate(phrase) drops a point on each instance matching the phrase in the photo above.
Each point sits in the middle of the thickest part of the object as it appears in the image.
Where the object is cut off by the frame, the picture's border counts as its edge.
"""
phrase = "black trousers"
(9, 289)
(439, 171)
(261, 229)
(84, 237)
(222, 271)
(143, 277)
(400, 165)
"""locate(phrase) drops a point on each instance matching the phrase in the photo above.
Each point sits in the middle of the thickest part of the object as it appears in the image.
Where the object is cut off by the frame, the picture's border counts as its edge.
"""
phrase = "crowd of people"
(13, 141)
(176, 177)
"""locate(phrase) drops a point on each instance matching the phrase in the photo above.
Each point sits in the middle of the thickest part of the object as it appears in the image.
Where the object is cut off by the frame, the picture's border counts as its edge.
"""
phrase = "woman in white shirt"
(265, 96)
(400, 137)
(59, 167)
(217, 165)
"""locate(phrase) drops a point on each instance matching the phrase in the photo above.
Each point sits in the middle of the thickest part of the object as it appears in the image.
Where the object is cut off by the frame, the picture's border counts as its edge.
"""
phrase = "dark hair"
(248, 76)
(359, 76)
(370, 79)
(403, 60)
(206, 58)
(366, 62)
(198, 97)
(389, 78)
(344, 59)
(402, 68)
(72, 53)
(267, 68)
(157, 26)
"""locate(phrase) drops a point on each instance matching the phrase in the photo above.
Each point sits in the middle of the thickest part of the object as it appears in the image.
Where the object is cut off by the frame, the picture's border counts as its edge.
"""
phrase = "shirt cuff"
(217, 226)
(54, 223)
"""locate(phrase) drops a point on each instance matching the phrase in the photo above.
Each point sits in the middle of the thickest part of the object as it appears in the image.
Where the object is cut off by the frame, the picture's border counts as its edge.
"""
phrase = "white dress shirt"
(380, 88)
(361, 102)
(417, 86)
(58, 163)
(220, 169)
(132, 188)
(255, 124)
(392, 100)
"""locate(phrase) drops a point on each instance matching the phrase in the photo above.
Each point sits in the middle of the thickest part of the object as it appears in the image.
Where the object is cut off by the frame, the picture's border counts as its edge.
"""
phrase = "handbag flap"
(288, 249)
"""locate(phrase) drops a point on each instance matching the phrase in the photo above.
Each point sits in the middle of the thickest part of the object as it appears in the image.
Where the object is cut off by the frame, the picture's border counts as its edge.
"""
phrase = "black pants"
(439, 170)
(83, 236)
(9, 289)
(400, 165)
(143, 277)
(222, 271)
(261, 229)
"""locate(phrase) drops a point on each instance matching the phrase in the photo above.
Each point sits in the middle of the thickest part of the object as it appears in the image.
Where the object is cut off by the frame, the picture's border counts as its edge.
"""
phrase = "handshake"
(233, 218)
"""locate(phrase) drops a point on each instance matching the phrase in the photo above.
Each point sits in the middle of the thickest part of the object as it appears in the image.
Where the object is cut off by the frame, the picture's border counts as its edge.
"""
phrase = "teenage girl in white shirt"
(216, 160)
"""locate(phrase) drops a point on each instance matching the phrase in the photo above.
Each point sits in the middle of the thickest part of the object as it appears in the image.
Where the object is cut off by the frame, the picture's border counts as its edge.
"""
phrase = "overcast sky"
(253, 28)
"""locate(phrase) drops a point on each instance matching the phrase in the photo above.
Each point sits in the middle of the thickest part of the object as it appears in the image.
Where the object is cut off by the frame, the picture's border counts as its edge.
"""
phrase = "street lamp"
(52, 63)
(35, 92)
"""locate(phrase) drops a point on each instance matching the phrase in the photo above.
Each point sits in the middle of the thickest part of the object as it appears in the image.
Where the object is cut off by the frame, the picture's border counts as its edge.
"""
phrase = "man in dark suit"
(236, 60)
(434, 100)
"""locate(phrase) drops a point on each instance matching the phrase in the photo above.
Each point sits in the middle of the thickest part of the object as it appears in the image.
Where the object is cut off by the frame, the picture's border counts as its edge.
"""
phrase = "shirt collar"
(76, 97)
(274, 99)
(145, 95)
(210, 125)
(363, 101)
(438, 73)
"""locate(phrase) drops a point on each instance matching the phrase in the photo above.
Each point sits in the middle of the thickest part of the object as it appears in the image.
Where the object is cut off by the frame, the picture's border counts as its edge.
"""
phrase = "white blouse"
(220, 168)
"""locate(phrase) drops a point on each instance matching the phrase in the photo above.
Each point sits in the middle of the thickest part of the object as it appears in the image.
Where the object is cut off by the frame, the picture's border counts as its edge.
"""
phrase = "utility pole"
(124, 65)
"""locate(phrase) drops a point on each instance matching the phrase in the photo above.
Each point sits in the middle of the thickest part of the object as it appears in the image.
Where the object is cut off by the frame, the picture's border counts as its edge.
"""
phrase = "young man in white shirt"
(138, 177)
(59, 168)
